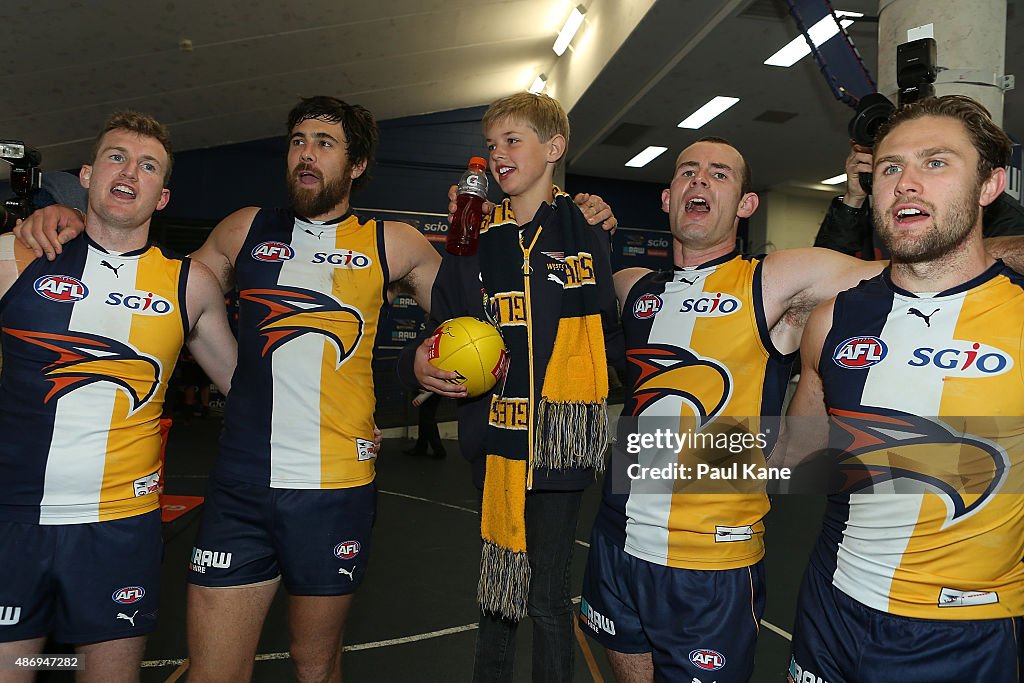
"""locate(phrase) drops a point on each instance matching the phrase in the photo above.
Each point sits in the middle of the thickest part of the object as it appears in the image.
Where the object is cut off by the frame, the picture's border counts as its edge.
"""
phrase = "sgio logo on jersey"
(711, 305)
(857, 353)
(61, 288)
(343, 259)
(140, 303)
(273, 252)
(966, 359)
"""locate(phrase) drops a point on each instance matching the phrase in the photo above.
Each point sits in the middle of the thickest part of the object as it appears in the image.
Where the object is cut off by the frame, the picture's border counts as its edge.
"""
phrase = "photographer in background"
(847, 226)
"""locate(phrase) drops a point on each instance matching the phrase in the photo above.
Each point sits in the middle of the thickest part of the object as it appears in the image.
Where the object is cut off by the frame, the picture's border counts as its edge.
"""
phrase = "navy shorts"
(696, 624)
(316, 540)
(839, 640)
(82, 583)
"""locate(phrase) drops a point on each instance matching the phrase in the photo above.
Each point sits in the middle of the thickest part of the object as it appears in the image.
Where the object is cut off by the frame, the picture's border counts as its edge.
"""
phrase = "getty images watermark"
(727, 446)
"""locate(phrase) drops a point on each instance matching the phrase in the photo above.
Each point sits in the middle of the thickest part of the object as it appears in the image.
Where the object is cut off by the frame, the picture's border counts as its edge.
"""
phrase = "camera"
(26, 180)
(915, 76)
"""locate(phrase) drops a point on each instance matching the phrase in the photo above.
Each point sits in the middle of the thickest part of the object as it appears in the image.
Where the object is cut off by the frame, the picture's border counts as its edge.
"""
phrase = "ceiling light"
(538, 84)
(572, 24)
(834, 180)
(709, 111)
(821, 32)
(645, 157)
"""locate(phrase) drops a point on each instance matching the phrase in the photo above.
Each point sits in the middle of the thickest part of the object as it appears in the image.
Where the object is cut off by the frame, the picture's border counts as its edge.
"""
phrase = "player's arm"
(221, 247)
(1010, 249)
(624, 281)
(795, 281)
(47, 229)
(806, 426)
(412, 262)
(14, 257)
(209, 338)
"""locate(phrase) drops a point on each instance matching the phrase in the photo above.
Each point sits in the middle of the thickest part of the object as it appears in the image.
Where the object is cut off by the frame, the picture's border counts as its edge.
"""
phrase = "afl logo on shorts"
(346, 550)
(273, 252)
(647, 306)
(857, 353)
(128, 595)
(62, 288)
(709, 660)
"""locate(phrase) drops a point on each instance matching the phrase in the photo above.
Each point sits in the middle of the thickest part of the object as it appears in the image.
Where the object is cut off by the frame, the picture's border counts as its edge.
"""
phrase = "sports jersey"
(89, 341)
(300, 412)
(698, 347)
(950, 545)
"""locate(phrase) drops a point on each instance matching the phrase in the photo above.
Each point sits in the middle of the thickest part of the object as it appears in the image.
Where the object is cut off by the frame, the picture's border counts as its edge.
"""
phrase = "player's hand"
(48, 229)
(453, 207)
(596, 210)
(858, 161)
(377, 437)
(433, 378)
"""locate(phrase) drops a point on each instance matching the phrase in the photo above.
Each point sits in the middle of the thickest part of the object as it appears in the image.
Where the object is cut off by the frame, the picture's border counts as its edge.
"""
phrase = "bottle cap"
(478, 161)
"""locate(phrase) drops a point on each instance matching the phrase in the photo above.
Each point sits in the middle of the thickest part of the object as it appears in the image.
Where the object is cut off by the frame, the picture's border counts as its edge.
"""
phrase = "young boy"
(543, 275)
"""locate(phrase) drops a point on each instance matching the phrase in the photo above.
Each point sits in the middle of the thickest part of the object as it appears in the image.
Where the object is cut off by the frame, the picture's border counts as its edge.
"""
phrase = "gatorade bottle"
(465, 227)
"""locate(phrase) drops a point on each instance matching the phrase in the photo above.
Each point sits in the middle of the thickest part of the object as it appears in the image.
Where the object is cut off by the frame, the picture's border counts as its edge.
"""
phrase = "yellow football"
(472, 348)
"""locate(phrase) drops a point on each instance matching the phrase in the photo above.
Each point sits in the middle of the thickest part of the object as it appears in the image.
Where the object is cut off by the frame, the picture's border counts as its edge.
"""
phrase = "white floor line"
(271, 656)
(429, 500)
(775, 629)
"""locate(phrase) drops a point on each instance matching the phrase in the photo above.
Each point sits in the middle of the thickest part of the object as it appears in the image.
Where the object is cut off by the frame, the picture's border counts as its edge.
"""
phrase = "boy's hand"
(48, 228)
(596, 210)
(452, 206)
(433, 378)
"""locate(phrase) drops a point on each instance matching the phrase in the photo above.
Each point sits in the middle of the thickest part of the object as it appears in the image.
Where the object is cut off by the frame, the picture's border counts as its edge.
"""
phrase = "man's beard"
(942, 239)
(309, 202)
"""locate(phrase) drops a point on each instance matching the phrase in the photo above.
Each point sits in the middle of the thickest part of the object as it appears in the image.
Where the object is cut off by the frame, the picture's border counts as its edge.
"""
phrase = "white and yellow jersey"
(927, 399)
(89, 341)
(300, 413)
(698, 350)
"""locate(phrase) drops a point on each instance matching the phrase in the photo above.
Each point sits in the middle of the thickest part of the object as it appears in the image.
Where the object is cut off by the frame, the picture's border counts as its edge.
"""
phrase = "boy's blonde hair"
(540, 112)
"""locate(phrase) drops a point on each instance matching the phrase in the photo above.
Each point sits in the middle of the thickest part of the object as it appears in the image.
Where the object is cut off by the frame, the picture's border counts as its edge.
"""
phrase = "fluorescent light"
(834, 180)
(821, 32)
(709, 111)
(568, 32)
(538, 84)
(645, 157)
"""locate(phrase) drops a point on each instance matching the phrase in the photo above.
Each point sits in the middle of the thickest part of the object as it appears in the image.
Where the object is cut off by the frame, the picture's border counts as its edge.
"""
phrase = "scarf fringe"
(504, 582)
(570, 435)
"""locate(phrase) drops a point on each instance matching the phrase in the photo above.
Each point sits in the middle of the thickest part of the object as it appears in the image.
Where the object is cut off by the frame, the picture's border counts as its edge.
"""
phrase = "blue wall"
(418, 159)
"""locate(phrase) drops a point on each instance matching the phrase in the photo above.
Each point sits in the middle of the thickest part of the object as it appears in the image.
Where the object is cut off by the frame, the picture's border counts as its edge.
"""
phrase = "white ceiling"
(67, 64)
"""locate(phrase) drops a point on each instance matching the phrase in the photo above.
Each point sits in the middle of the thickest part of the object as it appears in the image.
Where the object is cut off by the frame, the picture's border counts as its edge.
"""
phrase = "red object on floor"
(172, 507)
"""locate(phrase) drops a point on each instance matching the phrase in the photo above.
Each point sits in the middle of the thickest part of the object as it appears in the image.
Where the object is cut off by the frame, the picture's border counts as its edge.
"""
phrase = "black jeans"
(551, 518)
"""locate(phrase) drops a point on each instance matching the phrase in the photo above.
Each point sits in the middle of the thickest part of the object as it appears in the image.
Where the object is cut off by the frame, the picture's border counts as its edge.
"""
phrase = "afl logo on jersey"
(647, 306)
(128, 595)
(713, 305)
(857, 353)
(62, 288)
(709, 660)
(273, 252)
(346, 550)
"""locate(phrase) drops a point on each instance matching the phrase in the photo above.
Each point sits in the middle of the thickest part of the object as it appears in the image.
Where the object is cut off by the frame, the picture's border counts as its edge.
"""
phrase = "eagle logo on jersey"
(295, 312)
(966, 469)
(86, 358)
(671, 371)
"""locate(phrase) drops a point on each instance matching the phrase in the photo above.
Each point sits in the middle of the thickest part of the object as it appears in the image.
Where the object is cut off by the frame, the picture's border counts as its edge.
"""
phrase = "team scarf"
(559, 425)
